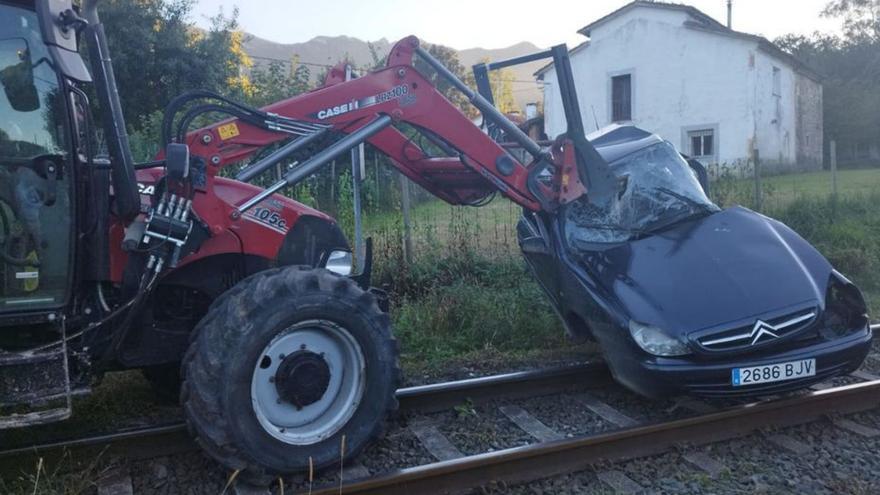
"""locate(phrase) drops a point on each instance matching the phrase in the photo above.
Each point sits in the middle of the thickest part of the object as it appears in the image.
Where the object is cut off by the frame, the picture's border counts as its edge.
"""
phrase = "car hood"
(720, 268)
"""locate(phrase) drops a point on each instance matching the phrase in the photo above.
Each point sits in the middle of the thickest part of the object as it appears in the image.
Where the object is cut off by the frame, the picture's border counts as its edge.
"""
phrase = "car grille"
(759, 333)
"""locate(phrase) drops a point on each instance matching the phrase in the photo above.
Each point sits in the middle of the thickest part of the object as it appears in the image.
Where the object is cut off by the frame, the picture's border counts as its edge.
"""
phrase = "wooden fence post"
(407, 228)
(833, 151)
(756, 160)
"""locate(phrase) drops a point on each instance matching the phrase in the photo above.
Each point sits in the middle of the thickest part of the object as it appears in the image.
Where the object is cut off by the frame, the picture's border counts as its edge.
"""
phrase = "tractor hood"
(712, 270)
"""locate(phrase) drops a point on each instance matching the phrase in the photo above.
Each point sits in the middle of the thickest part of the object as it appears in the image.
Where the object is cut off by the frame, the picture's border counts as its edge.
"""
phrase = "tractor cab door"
(36, 211)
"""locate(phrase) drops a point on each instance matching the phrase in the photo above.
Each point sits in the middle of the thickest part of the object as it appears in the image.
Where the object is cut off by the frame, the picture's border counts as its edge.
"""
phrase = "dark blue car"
(685, 297)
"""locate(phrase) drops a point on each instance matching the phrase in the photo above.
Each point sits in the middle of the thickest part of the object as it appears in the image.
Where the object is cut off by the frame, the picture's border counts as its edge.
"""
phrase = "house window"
(702, 143)
(621, 98)
(777, 82)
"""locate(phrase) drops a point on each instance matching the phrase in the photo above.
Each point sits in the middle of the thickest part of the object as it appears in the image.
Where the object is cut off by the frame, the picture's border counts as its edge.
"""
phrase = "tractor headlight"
(339, 262)
(655, 341)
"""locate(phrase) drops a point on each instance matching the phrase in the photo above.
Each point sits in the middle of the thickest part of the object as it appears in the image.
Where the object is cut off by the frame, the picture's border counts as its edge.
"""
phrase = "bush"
(845, 230)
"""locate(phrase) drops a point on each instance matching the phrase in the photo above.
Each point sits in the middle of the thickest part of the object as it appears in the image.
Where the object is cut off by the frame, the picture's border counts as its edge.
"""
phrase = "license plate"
(773, 372)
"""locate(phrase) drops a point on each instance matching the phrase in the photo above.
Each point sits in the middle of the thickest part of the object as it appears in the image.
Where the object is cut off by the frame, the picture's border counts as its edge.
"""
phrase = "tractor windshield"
(659, 190)
(30, 120)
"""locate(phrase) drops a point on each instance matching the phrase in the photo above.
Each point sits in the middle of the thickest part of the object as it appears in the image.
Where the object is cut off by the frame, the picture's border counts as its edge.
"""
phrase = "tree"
(158, 53)
(278, 81)
(449, 58)
(861, 18)
(501, 82)
(850, 70)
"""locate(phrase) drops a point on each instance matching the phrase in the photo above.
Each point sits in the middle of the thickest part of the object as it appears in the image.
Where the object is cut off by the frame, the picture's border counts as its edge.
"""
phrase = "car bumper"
(664, 377)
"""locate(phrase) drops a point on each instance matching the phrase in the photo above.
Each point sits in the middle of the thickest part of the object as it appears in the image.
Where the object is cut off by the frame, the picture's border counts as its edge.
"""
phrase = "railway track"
(549, 452)
(170, 438)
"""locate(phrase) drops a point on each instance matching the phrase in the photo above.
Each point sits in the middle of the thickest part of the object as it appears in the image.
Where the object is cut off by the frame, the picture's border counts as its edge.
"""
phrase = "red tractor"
(287, 357)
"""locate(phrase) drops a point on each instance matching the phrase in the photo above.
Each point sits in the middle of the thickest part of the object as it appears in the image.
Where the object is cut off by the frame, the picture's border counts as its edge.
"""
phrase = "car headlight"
(845, 308)
(655, 341)
(339, 262)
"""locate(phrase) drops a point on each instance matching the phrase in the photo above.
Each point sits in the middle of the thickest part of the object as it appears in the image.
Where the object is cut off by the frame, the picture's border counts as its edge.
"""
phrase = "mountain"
(328, 50)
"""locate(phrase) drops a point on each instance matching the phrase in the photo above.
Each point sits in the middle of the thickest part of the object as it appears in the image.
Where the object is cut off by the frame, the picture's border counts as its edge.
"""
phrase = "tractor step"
(35, 379)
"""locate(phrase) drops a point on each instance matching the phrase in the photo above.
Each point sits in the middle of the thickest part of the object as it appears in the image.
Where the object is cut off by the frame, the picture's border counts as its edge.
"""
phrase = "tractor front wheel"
(291, 368)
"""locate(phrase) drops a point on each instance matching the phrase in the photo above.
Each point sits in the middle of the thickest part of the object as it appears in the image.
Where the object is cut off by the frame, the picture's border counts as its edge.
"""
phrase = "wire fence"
(424, 227)
(753, 185)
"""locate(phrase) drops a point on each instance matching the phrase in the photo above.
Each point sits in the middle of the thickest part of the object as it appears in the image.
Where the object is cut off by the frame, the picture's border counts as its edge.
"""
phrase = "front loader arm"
(378, 108)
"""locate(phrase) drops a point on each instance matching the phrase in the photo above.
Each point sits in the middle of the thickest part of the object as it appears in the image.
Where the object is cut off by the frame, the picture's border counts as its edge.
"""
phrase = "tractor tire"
(294, 367)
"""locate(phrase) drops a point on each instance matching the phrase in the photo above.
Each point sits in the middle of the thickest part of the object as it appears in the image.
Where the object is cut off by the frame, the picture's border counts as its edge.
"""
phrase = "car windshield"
(658, 190)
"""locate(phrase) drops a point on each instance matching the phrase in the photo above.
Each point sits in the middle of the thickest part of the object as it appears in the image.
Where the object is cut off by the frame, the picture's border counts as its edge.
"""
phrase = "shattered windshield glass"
(659, 190)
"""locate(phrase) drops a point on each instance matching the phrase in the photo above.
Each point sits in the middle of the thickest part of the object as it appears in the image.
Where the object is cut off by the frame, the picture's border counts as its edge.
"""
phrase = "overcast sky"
(485, 23)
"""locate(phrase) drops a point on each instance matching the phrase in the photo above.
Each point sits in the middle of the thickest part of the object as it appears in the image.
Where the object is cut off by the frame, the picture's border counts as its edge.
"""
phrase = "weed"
(465, 409)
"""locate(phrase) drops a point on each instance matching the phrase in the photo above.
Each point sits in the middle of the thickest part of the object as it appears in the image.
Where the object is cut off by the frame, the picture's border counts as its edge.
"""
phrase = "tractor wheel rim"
(330, 360)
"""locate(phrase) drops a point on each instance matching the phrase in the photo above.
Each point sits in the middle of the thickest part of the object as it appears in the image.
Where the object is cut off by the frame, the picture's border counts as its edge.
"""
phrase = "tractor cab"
(36, 205)
(54, 204)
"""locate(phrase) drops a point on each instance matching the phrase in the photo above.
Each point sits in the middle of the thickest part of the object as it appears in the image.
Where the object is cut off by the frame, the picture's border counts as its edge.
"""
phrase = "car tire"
(253, 375)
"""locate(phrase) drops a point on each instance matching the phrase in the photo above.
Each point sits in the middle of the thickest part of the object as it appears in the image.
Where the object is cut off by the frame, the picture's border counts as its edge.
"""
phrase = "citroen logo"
(762, 329)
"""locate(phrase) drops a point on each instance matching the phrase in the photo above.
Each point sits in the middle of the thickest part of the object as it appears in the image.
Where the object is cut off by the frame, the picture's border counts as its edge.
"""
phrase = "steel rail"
(144, 442)
(536, 461)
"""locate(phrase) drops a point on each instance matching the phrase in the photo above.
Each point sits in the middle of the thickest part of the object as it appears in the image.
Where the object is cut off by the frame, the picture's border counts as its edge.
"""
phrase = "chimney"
(729, 14)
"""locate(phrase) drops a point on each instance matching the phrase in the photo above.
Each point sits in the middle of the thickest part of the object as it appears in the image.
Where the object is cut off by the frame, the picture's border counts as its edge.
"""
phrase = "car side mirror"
(701, 173)
(534, 245)
(177, 161)
(17, 75)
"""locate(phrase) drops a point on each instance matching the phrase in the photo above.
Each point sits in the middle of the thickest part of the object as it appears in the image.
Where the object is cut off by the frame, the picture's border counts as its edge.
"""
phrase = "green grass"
(779, 191)
(786, 188)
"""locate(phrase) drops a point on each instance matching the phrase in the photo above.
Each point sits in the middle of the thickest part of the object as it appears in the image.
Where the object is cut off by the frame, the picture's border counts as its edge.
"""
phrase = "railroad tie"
(435, 442)
(865, 375)
(529, 424)
(116, 482)
(858, 429)
(605, 411)
(790, 444)
(619, 482)
(355, 471)
(695, 405)
(243, 488)
(705, 463)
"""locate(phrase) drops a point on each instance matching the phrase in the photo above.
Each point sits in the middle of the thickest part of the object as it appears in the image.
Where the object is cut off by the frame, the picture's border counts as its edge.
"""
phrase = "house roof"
(698, 21)
(692, 11)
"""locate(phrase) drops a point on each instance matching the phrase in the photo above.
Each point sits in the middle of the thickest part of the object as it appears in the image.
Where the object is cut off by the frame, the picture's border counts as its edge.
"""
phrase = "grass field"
(786, 188)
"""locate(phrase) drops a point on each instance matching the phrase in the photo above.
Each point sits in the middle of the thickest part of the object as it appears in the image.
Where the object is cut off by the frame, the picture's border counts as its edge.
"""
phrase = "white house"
(713, 92)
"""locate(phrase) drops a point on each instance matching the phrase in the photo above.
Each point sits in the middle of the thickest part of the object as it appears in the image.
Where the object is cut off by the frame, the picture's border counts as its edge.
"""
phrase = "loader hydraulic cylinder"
(312, 165)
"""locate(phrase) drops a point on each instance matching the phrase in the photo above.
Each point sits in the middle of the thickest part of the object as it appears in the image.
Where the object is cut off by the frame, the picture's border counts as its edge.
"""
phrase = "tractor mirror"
(17, 75)
(177, 161)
